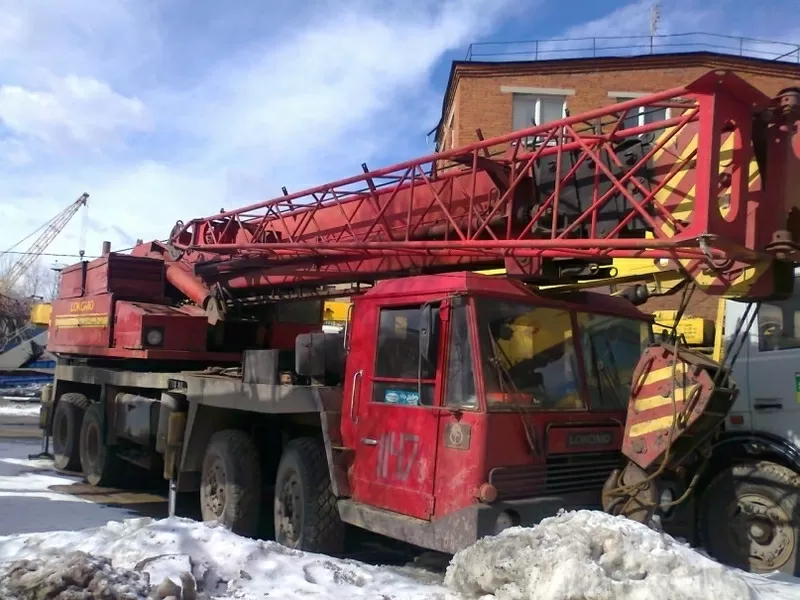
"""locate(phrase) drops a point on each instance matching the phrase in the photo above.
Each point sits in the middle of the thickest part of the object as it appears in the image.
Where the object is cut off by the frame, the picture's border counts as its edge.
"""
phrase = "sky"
(173, 109)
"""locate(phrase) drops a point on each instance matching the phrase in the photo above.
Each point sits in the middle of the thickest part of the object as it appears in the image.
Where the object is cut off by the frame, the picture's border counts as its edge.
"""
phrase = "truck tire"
(748, 517)
(99, 463)
(67, 421)
(230, 488)
(306, 516)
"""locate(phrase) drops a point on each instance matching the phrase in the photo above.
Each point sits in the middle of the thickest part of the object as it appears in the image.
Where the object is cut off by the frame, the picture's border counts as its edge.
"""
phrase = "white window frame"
(618, 97)
(539, 94)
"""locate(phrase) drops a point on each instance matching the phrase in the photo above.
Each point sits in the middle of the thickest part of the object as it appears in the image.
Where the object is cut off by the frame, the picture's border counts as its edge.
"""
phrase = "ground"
(55, 531)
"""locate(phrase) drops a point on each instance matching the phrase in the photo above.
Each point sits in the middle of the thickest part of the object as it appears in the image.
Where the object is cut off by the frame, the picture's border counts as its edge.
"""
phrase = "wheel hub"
(289, 514)
(762, 529)
(215, 488)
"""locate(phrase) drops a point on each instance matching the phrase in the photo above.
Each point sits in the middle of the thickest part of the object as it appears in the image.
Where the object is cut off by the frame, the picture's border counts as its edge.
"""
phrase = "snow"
(28, 505)
(581, 555)
(21, 409)
(226, 565)
(590, 555)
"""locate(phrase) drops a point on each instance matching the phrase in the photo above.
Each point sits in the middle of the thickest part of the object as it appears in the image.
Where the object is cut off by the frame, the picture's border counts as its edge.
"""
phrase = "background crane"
(13, 309)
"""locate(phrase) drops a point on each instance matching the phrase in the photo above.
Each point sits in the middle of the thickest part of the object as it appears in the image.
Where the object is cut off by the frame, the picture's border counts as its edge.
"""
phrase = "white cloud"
(164, 114)
(72, 109)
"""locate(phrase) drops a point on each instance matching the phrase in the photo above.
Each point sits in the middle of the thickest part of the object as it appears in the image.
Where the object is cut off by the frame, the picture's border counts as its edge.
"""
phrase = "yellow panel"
(40, 314)
(697, 331)
(336, 312)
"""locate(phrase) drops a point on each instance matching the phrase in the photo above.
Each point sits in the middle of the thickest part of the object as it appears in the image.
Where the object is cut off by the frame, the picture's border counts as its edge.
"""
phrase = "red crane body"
(711, 187)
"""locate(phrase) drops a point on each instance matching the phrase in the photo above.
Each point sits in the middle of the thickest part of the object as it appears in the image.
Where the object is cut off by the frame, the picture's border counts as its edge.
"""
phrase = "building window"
(637, 117)
(530, 110)
(402, 376)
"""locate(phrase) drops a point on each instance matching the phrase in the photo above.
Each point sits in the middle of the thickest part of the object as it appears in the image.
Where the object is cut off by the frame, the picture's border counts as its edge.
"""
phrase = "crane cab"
(472, 403)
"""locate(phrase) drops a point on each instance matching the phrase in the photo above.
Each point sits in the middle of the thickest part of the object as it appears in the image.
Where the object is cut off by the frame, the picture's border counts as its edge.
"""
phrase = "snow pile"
(580, 555)
(225, 565)
(20, 409)
(587, 555)
(76, 576)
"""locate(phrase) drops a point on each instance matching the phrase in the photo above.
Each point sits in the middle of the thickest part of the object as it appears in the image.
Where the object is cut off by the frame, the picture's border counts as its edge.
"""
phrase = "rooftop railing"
(595, 47)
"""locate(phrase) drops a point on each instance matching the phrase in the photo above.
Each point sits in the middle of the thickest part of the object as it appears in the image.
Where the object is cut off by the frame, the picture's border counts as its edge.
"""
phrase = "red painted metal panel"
(126, 276)
(568, 439)
(181, 331)
(82, 321)
(72, 281)
(460, 460)
(395, 445)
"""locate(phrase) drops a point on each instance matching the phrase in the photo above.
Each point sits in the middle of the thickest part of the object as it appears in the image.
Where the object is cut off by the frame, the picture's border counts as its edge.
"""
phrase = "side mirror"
(425, 331)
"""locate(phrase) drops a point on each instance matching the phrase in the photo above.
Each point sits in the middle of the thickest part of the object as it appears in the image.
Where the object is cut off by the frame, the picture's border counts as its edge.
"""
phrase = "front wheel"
(748, 517)
(306, 515)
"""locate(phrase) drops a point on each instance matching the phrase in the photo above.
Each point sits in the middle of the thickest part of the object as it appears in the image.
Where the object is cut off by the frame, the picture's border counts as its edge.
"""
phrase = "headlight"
(154, 337)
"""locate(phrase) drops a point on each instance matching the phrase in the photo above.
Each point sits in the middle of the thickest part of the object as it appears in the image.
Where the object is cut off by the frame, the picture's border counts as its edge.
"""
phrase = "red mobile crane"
(202, 357)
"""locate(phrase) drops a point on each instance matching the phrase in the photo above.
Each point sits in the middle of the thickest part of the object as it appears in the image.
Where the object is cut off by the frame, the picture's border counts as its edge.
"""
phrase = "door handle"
(369, 441)
(767, 404)
(353, 416)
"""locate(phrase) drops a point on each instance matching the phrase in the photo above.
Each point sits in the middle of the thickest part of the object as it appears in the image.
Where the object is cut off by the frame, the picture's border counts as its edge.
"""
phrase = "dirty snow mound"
(587, 555)
(76, 576)
(225, 565)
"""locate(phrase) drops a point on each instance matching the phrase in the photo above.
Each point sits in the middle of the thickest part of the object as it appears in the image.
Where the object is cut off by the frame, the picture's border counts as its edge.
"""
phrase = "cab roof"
(465, 282)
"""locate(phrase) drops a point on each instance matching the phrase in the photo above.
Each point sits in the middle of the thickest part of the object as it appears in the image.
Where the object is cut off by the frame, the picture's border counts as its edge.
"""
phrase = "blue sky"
(171, 109)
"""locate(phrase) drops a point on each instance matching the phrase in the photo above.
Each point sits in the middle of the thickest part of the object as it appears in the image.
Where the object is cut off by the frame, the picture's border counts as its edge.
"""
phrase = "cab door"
(768, 369)
(395, 425)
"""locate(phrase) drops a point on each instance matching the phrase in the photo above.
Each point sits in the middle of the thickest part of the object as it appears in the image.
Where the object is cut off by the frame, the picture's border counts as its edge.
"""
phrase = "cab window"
(779, 325)
(612, 347)
(528, 356)
(402, 376)
(460, 390)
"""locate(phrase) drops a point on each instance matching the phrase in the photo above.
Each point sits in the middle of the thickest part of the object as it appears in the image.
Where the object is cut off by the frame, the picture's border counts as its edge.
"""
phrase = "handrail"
(612, 46)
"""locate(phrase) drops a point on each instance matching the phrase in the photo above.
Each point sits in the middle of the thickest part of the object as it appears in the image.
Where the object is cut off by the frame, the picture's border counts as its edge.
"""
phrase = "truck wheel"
(230, 489)
(306, 516)
(98, 462)
(748, 517)
(67, 420)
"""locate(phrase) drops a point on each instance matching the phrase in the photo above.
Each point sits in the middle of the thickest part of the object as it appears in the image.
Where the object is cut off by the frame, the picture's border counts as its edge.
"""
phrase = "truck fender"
(753, 445)
(201, 423)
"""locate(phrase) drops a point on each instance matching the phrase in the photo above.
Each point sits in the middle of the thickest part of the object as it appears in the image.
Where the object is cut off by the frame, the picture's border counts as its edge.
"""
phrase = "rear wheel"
(99, 463)
(306, 516)
(230, 489)
(748, 517)
(67, 421)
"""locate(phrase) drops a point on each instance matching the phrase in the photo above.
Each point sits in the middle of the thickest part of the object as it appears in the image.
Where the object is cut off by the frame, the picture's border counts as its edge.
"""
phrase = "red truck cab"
(472, 404)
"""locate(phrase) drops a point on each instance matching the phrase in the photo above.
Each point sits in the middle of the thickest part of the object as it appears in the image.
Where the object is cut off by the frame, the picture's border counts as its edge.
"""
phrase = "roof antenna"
(655, 19)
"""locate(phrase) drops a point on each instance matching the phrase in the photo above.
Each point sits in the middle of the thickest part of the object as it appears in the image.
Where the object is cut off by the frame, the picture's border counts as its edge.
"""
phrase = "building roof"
(712, 60)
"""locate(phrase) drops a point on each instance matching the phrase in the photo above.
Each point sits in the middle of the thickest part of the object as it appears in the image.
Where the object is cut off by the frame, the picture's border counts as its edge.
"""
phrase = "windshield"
(529, 357)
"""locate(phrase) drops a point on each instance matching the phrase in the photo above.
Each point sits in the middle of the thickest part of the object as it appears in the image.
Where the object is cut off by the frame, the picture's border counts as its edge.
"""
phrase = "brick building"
(499, 96)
